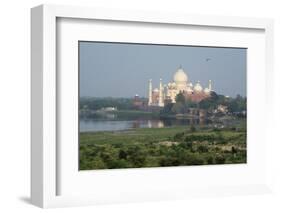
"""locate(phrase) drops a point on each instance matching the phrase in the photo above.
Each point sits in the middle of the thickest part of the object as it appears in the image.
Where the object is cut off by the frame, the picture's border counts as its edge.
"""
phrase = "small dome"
(189, 90)
(207, 90)
(180, 76)
(198, 87)
(156, 90)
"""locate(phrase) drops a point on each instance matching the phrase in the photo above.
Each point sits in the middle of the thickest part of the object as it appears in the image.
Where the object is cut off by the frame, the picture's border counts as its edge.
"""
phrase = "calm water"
(115, 125)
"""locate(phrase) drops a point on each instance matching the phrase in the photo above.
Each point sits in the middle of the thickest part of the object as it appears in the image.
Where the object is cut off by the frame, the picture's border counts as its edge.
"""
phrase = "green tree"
(179, 136)
(233, 150)
(190, 104)
(122, 154)
(178, 108)
(180, 98)
(137, 156)
(209, 103)
(237, 104)
(167, 109)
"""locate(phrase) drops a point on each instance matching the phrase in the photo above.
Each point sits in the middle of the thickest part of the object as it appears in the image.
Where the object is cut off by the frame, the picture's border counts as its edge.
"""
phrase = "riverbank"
(156, 147)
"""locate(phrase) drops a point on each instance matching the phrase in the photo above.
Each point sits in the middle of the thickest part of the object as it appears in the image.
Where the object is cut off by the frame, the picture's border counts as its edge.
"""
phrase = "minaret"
(160, 101)
(149, 92)
(164, 91)
(210, 85)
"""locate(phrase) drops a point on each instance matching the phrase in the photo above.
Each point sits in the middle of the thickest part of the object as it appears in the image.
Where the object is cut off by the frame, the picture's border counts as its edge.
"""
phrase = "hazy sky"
(123, 70)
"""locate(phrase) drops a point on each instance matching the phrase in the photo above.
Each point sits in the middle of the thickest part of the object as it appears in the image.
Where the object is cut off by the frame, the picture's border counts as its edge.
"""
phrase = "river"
(95, 125)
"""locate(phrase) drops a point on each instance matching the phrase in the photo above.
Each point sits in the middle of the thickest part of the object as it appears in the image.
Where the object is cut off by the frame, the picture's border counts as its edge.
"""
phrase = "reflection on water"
(115, 125)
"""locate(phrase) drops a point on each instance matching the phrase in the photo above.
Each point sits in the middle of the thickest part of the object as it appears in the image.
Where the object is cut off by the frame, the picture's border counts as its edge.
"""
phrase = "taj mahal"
(166, 93)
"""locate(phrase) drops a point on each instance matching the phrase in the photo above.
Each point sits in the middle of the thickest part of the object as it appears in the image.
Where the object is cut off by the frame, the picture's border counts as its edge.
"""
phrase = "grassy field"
(156, 147)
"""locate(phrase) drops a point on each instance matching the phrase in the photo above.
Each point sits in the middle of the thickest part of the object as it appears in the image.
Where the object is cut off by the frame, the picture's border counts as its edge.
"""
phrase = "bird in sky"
(208, 59)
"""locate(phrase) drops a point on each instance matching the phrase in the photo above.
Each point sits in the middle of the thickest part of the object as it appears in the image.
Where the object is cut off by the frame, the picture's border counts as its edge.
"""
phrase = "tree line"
(93, 103)
(183, 105)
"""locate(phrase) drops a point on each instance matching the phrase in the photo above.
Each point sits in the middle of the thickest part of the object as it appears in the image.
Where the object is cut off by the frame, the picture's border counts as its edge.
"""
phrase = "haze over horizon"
(123, 70)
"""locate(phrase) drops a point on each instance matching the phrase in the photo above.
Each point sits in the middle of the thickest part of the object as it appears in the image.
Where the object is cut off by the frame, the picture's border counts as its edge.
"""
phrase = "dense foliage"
(91, 108)
(93, 103)
(175, 146)
(182, 105)
(237, 104)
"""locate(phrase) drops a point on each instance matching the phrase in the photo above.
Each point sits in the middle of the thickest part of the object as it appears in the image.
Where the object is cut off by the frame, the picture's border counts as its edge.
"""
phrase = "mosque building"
(167, 93)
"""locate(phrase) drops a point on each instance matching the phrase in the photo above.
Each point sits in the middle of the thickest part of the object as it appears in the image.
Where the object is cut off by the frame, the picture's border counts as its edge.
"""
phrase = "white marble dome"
(198, 87)
(180, 76)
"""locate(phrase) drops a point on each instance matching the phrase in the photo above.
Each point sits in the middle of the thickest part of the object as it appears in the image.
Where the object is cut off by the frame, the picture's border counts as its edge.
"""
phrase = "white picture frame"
(45, 168)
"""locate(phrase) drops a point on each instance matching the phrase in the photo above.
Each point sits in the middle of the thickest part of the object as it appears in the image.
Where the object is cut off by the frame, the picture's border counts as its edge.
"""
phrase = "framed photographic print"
(130, 106)
(176, 123)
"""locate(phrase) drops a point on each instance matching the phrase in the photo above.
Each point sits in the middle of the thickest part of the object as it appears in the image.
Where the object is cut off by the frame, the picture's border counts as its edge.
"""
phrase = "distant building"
(137, 102)
(180, 84)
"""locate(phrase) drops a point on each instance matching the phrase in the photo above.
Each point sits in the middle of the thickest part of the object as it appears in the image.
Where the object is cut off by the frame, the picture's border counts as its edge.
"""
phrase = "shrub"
(233, 150)
(179, 136)
(116, 164)
(122, 154)
(220, 159)
(210, 160)
(192, 128)
(169, 161)
(202, 149)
